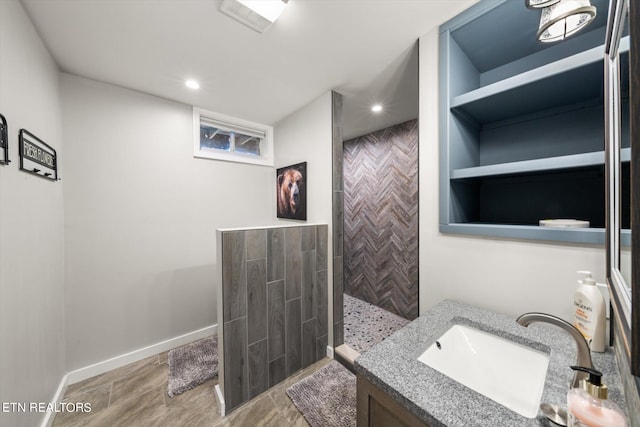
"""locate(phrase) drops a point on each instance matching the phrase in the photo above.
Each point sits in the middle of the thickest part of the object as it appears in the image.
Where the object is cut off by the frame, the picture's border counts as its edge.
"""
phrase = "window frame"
(228, 123)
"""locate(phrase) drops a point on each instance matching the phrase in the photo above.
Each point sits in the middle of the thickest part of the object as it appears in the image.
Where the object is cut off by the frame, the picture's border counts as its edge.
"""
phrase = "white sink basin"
(509, 373)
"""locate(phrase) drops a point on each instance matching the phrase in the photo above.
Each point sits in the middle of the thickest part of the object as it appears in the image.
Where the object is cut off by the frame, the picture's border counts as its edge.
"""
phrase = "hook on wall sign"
(37, 157)
(4, 141)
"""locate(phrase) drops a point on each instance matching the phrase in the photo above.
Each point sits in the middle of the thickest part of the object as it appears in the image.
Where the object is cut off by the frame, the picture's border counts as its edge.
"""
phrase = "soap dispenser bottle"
(588, 405)
(590, 312)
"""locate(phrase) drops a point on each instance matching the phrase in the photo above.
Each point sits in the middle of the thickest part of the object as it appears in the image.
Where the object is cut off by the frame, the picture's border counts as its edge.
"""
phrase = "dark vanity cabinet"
(376, 408)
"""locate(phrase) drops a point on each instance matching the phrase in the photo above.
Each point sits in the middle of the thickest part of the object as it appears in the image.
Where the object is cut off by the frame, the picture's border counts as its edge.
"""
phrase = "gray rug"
(327, 398)
(192, 365)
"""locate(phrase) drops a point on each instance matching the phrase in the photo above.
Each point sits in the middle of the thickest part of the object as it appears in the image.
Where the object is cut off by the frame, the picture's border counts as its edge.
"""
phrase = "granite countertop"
(438, 400)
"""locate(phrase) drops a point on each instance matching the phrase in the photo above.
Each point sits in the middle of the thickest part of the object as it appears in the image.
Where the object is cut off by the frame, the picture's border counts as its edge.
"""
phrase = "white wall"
(141, 215)
(32, 338)
(506, 276)
(305, 136)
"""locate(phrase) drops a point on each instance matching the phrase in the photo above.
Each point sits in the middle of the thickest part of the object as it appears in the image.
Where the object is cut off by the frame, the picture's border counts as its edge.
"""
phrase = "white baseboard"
(220, 399)
(330, 352)
(57, 398)
(133, 356)
(124, 359)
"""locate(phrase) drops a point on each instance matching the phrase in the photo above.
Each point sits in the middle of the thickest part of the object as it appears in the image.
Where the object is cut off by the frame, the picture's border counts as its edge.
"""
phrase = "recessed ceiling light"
(376, 108)
(192, 84)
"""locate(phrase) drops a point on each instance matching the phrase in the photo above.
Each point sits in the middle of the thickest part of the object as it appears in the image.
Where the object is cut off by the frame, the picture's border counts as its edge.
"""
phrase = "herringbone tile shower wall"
(381, 218)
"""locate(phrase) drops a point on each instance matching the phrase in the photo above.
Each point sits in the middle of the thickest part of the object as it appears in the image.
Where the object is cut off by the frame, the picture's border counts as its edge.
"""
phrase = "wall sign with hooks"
(4, 141)
(37, 157)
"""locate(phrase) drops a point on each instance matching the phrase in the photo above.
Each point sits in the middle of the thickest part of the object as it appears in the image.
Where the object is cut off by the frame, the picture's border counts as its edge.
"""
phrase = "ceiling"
(363, 49)
(488, 47)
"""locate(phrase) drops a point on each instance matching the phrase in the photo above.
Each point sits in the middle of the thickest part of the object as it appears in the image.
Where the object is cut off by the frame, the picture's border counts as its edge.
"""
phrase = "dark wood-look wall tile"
(236, 382)
(321, 347)
(338, 333)
(270, 287)
(338, 225)
(294, 336)
(308, 238)
(381, 262)
(256, 244)
(337, 187)
(308, 342)
(322, 235)
(234, 279)
(338, 301)
(321, 303)
(308, 284)
(293, 263)
(277, 370)
(276, 315)
(337, 139)
(275, 254)
(258, 368)
(257, 299)
(338, 288)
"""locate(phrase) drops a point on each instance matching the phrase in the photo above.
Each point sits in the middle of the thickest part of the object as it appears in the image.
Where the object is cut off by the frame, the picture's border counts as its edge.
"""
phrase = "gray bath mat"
(328, 397)
(192, 365)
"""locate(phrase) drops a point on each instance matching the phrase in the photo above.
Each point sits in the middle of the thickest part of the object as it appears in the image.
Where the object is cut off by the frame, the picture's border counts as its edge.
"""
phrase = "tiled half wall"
(272, 305)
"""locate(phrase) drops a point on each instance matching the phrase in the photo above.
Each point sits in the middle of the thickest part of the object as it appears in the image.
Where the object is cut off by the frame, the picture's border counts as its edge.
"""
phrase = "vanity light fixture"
(376, 108)
(564, 18)
(192, 84)
(256, 14)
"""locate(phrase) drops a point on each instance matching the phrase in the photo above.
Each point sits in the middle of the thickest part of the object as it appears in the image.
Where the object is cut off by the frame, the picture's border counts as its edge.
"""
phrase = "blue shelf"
(593, 236)
(537, 165)
(572, 80)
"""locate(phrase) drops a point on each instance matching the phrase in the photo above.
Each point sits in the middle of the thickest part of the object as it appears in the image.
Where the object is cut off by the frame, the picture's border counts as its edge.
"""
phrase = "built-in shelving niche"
(522, 135)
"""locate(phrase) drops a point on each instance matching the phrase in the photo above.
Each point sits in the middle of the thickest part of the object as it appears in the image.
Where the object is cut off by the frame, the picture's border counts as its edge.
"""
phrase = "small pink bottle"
(588, 406)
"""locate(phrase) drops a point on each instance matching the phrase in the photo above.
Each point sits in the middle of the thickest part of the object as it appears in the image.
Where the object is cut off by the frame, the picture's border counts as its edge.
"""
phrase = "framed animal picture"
(291, 191)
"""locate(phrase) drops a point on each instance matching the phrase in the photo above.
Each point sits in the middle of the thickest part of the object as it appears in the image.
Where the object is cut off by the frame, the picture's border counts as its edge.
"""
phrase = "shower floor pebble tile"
(365, 325)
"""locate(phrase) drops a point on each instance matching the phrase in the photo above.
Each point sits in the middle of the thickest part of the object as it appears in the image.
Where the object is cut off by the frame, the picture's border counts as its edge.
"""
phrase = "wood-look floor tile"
(109, 377)
(284, 404)
(196, 407)
(145, 379)
(144, 409)
(98, 398)
(163, 357)
(137, 395)
(300, 421)
(262, 412)
(203, 397)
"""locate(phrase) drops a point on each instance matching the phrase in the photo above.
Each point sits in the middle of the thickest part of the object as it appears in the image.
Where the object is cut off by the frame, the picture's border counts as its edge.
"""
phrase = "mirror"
(621, 152)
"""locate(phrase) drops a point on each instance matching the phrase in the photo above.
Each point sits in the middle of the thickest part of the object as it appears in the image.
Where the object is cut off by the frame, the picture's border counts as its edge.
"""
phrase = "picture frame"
(291, 192)
(37, 157)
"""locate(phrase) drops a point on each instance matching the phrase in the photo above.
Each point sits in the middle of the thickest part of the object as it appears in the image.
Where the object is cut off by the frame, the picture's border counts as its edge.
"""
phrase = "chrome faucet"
(584, 353)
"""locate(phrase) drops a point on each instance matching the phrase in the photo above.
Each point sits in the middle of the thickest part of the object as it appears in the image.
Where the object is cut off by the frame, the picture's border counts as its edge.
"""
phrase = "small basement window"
(221, 137)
